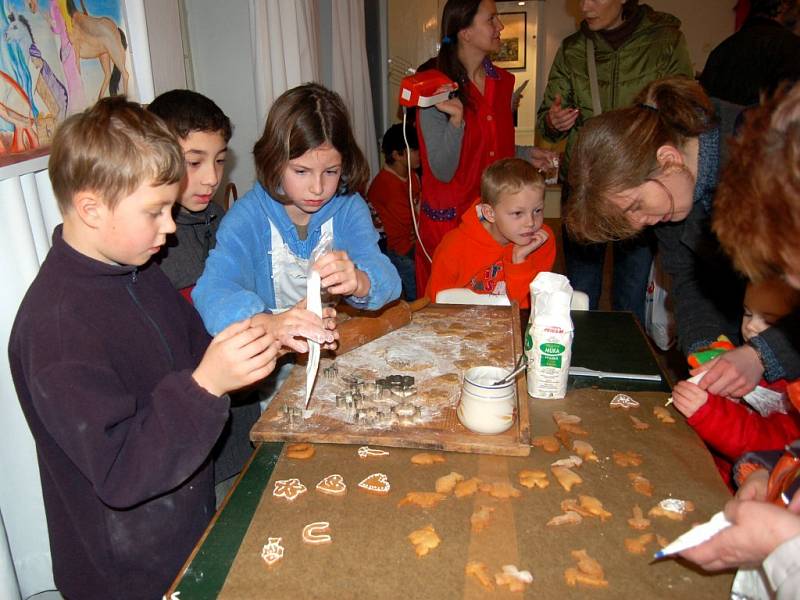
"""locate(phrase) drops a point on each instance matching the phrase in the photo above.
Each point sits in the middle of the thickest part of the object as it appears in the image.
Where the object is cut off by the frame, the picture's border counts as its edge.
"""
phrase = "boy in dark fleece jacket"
(123, 393)
(502, 242)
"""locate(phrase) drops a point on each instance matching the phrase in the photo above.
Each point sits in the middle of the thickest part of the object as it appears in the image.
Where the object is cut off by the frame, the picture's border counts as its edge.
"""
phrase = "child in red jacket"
(502, 242)
(764, 420)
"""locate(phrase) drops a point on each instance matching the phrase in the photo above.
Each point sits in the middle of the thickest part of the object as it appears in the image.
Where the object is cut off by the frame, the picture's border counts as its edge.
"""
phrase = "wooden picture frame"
(514, 41)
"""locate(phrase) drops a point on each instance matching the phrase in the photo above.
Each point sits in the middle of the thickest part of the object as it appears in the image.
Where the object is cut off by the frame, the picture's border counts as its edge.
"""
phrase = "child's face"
(204, 152)
(401, 158)
(137, 227)
(310, 181)
(516, 217)
(765, 303)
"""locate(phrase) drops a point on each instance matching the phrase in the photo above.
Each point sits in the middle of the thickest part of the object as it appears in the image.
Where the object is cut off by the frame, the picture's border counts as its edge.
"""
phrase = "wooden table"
(371, 557)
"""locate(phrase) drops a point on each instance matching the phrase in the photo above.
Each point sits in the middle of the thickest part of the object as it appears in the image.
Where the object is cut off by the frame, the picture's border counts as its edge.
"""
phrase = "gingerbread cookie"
(466, 488)
(272, 551)
(584, 450)
(588, 572)
(500, 489)
(367, 452)
(638, 521)
(663, 415)
(480, 518)
(568, 518)
(638, 424)
(592, 506)
(623, 401)
(571, 462)
(515, 579)
(332, 485)
(627, 459)
(641, 484)
(672, 509)
(288, 489)
(422, 499)
(317, 533)
(446, 483)
(638, 545)
(300, 451)
(377, 483)
(427, 458)
(567, 478)
(424, 540)
(479, 571)
(531, 479)
(561, 418)
(546, 442)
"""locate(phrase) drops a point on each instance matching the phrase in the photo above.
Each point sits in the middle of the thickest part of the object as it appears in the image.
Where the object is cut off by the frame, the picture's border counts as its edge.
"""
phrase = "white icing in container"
(484, 407)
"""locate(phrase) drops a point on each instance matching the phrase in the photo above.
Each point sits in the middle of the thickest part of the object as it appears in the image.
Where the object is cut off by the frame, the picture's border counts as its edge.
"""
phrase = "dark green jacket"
(655, 49)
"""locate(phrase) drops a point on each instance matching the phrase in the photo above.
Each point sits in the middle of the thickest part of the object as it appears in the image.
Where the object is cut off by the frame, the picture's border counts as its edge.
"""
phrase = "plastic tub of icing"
(485, 407)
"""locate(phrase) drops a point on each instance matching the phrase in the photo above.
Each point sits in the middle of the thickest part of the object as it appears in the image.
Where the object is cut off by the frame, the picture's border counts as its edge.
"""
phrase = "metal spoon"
(522, 363)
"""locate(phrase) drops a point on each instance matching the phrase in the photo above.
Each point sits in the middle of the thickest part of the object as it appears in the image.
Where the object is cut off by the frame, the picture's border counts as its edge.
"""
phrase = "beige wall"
(705, 24)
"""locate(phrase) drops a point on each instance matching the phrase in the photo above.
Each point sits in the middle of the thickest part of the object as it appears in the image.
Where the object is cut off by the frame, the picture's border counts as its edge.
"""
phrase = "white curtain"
(30, 215)
(283, 35)
(350, 73)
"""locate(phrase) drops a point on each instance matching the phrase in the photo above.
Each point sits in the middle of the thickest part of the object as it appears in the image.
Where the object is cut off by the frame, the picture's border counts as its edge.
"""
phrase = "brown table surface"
(371, 557)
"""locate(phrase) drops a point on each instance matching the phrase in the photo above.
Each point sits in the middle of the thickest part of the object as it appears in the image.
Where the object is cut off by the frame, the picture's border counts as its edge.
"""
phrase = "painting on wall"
(513, 41)
(56, 58)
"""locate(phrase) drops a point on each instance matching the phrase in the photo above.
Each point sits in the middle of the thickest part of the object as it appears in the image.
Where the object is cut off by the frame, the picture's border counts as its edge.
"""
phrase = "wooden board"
(440, 343)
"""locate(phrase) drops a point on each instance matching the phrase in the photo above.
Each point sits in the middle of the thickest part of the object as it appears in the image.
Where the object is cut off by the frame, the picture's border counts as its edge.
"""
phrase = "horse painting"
(48, 86)
(15, 108)
(100, 38)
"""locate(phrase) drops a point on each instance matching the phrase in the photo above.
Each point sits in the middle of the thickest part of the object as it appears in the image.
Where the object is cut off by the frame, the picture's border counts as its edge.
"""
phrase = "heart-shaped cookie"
(377, 483)
(333, 485)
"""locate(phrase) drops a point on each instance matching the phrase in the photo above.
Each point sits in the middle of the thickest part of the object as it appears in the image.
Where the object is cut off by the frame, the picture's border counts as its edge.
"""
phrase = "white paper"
(314, 304)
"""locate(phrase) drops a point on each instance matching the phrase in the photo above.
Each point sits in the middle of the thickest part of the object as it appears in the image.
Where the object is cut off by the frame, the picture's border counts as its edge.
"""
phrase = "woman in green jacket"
(627, 46)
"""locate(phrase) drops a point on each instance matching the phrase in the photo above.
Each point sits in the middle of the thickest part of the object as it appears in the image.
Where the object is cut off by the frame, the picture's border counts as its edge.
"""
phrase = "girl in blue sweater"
(308, 168)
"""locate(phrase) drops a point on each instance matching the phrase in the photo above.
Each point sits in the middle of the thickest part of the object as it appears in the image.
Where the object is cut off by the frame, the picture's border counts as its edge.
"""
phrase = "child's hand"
(338, 275)
(293, 327)
(688, 398)
(238, 356)
(520, 253)
(755, 486)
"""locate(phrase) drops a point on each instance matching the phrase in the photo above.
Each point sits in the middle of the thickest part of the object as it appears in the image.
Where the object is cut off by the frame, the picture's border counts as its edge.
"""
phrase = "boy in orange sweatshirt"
(502, 241)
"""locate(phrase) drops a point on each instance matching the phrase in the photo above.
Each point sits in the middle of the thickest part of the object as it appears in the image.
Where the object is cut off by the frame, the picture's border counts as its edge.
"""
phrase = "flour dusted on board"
(548, 339)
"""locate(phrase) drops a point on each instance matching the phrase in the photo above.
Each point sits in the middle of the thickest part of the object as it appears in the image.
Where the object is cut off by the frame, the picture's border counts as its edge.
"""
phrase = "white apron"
(289, 271)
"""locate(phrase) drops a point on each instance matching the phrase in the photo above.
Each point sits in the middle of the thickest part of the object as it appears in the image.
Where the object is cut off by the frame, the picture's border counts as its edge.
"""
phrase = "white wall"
(219, 39)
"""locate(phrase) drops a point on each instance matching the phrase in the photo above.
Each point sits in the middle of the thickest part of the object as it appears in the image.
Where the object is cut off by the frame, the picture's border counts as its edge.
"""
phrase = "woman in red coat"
(463, 135)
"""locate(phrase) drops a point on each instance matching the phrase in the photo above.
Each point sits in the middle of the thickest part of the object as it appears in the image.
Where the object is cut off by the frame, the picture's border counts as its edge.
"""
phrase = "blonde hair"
(301, 119)
(508, 176)
(616, 151)
(111, 149)
(757, 206)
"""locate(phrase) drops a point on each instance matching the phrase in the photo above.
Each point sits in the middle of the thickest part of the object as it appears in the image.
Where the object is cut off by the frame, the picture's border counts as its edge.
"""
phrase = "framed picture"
(43, 79)
(513, 41)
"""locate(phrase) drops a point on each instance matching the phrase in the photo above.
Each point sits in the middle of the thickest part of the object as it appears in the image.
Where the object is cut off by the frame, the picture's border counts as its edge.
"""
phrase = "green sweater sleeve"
(558, 83)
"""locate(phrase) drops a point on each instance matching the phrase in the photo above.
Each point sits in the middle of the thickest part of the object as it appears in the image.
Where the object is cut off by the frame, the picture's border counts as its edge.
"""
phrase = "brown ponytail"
(616, 151)
(456, 16)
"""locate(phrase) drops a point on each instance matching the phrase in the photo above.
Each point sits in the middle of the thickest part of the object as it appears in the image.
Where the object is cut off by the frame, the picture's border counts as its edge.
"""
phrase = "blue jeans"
(404, 263)
(632, 260)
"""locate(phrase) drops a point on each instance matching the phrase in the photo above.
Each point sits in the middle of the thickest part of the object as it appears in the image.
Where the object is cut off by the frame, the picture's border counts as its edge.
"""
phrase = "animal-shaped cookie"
(422, 499)
(424, 540)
